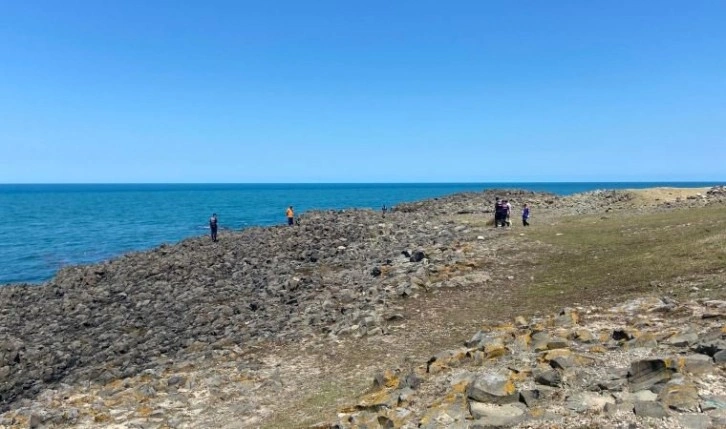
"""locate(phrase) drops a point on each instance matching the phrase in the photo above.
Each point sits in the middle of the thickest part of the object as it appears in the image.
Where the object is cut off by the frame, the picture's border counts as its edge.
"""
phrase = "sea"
(46, 227)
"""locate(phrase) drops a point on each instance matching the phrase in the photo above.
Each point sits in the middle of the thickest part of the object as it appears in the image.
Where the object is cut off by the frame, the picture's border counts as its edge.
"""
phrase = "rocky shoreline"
(325, 276)
(339, 274)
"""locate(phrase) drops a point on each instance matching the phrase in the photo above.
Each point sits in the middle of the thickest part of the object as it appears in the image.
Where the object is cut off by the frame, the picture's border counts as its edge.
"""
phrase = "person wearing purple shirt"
(525, 215)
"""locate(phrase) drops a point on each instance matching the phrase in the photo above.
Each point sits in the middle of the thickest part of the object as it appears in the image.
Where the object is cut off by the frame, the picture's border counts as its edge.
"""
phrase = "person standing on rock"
(384, 209)
(213, 227)
(290, 216)
(525, 215)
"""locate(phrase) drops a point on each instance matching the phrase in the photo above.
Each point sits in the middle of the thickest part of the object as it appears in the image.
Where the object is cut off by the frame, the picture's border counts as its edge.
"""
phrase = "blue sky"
(336, 91)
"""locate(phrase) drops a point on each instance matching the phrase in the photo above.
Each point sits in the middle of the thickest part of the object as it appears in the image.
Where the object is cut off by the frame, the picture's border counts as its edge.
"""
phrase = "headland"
(425, 317)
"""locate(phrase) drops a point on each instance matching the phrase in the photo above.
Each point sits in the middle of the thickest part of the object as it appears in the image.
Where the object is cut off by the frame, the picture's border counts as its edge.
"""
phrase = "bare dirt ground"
(667, 194)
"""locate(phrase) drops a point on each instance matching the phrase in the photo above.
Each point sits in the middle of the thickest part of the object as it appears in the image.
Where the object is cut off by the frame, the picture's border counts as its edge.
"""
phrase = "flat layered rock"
(530, 387)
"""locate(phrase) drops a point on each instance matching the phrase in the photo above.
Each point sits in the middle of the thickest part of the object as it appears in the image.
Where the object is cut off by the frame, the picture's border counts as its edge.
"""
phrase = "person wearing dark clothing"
(498, 213)
(384, 209)
(525, 215)
(213, 226)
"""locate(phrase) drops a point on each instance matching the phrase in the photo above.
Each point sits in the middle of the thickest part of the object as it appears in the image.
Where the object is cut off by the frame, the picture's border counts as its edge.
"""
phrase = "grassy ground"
(588, 259)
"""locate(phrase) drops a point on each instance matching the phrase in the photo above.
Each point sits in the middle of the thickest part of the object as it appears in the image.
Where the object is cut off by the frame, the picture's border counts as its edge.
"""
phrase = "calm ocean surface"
(45, 227)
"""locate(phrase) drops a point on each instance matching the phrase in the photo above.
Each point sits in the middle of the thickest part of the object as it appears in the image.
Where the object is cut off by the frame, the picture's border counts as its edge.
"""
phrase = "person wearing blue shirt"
(213, 227)
(525, 215)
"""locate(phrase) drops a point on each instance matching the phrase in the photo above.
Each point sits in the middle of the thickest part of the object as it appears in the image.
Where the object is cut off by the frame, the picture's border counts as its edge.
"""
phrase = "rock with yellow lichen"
(556, 372)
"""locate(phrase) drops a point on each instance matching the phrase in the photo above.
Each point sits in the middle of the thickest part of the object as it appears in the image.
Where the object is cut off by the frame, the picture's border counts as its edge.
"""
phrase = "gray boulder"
(646, 373)
(493, 387)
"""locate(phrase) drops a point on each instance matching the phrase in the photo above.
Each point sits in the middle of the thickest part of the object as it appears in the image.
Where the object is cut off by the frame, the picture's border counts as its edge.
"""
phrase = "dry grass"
(665, 194)
(315, 406)
(594, 258)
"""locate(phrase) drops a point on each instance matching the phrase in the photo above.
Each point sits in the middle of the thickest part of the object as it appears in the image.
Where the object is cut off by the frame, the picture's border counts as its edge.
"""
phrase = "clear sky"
(362, 91)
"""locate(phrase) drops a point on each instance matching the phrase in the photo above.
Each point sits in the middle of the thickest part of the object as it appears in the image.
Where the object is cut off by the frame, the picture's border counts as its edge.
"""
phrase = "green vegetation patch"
(595, 258)
(315, 406)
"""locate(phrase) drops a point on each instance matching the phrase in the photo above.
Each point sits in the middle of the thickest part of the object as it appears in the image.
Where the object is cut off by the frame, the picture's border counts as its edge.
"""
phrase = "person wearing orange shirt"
(290, 216)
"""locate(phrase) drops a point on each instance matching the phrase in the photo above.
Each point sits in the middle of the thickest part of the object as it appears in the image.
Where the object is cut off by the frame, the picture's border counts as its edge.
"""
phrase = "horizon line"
(361, 183)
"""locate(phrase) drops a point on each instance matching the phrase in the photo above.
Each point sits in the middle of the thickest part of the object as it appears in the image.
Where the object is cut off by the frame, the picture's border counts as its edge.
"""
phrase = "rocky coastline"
(341, 276)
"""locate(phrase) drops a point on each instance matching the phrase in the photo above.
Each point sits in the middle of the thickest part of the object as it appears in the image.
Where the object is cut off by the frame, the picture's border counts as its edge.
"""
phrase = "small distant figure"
(290, 216)
(507, 213)
(213, 227)
(525, 215)
(384, 209)
(498, 213)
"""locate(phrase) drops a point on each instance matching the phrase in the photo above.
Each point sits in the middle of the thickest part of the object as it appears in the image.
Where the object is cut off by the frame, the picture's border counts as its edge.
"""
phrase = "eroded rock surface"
(609, 381)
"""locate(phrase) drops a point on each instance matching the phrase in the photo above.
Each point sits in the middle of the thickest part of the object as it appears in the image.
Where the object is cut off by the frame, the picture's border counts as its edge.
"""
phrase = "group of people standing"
(503, 212)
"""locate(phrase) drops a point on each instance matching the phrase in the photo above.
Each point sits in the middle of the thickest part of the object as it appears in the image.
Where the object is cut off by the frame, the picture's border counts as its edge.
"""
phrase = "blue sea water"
(45, 227)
